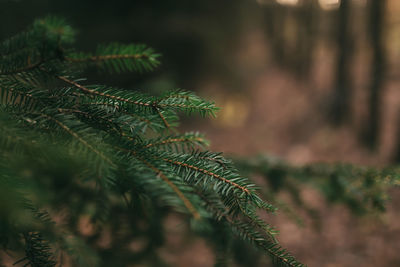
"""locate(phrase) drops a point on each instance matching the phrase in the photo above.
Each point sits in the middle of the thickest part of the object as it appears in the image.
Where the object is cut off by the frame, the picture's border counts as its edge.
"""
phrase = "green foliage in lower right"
(364, 190)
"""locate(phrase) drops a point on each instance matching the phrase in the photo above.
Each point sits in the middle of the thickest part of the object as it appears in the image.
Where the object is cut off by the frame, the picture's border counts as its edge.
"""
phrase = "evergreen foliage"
(72, 150)
(364, 190)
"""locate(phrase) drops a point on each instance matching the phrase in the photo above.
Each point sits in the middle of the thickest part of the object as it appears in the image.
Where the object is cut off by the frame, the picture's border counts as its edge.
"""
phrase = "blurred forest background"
(303, 80)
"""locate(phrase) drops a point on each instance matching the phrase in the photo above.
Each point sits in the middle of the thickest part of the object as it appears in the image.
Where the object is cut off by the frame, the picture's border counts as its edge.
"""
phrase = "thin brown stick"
(161, 116)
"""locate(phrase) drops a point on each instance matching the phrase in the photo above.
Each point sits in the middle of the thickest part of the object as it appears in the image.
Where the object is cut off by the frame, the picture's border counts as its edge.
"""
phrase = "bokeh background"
(302, 80)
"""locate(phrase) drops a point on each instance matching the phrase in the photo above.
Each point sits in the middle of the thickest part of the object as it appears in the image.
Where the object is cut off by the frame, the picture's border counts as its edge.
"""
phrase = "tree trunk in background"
(376, 15)
(396, 155)
(342, 94)
(306, 24)
(290, 32)
(275, 16)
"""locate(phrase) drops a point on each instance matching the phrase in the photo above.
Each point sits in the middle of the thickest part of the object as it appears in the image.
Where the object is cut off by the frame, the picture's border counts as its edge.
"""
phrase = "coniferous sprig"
(179, 142)
(121, 143)
(362, 189)
(38, 252)
(119, 58)
(40, 44)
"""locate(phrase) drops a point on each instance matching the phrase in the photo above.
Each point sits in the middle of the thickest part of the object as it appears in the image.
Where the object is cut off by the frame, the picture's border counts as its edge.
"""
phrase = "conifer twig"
(155, 105)
(185, 200)
(148, 122)
(118, 98)
(106, 57)
(94, 92)
(80, 139)
(219, 177)
(23, 69)
(175, 140)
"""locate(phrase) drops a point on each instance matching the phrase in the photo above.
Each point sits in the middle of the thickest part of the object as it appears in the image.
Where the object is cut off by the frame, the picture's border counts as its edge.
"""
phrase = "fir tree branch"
(210, 173)
(207, 109)
(219, 161)
(80, 139)
(17, 98)
(106, 57)
(187, 101)
(113, 124)
(176, 140)
(161, 116)
(184, 199)
(119, 57)
(24, 69)
(278, 254)
(94, 92)
(248, 233)
(118, 108)
(38, 252)
(84, 89)
(159, 173)
(175, 95)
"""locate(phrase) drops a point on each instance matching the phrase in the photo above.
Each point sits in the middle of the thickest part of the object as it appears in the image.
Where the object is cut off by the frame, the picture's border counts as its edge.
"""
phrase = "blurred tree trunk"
(275, 16)
(307, 21)
(396, 155)
(290, 31)
(342, 94)
(376, 17)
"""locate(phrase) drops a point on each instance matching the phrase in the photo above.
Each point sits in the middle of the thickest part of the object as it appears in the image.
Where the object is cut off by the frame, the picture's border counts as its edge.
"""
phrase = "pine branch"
(179, 193)
(185, 141)
(80, 139)
(38, 252)
(28, 67)
(142, 121)
(279, 255)
(116, 98)
(246, 231)
(106, 95)
(119, 58)
(210, 173)
(162, 116)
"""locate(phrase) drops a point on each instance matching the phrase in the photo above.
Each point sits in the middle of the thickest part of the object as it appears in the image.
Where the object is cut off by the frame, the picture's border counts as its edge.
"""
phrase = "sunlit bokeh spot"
(234, 110)
(329, 4)
(288, 2)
